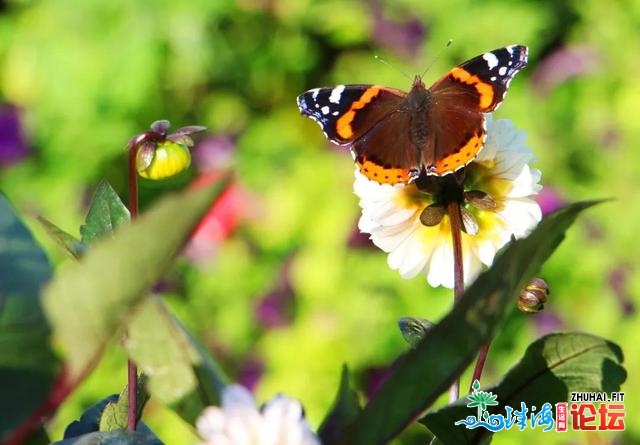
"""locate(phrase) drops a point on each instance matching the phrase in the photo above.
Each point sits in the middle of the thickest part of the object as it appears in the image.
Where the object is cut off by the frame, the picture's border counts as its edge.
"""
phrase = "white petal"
(521, 215)
(389, 238)
(440, 268)
(486, 251)
(472, 266)
(238, 422)
(210, 422)
(408, 257)
(237, 397)
(388, 213)
(525, 183)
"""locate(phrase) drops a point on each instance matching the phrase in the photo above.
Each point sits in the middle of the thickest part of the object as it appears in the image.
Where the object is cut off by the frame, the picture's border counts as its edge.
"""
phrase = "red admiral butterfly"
(395, 135)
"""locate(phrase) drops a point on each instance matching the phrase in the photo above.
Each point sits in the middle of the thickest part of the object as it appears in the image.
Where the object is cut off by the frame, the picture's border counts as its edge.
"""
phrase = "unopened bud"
(533, 296)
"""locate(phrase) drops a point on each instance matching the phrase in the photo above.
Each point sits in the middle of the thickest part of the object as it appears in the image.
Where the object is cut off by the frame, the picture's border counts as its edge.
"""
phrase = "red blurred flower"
(232, 207)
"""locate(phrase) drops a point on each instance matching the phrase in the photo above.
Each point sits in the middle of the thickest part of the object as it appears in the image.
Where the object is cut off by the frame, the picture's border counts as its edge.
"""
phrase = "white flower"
(238, 422)
(391, 214)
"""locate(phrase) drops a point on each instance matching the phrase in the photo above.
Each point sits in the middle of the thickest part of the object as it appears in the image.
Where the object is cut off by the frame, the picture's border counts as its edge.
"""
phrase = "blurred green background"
(281, 288)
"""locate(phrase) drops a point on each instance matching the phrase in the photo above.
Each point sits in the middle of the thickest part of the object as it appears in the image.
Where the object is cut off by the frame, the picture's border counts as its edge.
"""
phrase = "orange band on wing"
(383, 175)
(460, 158)
(343, 125)
(485, 90)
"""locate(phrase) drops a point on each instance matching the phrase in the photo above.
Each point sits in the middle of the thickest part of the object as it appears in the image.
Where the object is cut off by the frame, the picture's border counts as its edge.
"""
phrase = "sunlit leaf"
(69, 243)
(106, 213)
(551, 368)
(115, 415)
(87, 302)
(180, 374)
(89, 421)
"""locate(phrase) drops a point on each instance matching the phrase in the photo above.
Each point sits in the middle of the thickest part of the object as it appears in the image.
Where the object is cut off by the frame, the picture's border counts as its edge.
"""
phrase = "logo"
(395, 136)
(582, 413)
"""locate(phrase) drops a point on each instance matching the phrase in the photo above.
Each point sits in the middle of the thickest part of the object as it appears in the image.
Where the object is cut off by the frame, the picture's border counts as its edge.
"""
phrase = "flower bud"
(162, 160)
(533, 296)
(413, 329)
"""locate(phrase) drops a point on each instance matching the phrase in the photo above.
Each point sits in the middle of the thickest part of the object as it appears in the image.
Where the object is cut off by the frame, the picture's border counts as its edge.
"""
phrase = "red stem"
(455, 218)
(133, 182)
(60, 389)
(62, 386)
(132, 370)
(482, 357)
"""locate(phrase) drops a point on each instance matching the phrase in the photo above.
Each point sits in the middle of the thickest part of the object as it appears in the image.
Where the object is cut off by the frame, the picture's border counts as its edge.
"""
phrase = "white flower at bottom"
(238, 422)
(391, 213)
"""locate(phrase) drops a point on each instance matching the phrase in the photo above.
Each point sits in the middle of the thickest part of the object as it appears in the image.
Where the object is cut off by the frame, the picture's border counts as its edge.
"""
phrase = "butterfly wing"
(459, 100)
(369, 118)
(386, 153)
(346, 112)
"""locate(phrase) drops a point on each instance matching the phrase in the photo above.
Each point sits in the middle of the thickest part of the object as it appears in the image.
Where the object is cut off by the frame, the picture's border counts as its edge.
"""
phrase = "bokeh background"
(278, 283)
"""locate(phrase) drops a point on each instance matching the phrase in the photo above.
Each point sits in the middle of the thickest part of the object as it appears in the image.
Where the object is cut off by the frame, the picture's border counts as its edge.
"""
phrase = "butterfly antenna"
(380, 59)
(435, 59)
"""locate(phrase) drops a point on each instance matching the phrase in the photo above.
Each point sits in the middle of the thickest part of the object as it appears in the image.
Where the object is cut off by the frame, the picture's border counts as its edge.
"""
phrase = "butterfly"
(395, 136)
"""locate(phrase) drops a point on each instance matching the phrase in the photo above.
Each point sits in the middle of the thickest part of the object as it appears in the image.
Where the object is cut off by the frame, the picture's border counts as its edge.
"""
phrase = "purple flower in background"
(564, 64)
(549, 200)
(618, 280)
(547, 322)
(400, 37)
(12, 141)
(359, 240)
(273, 310)
(214, 153)
(250, 372)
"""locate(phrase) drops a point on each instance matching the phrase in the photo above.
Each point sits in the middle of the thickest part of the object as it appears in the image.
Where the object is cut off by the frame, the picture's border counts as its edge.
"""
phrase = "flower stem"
(482, 357)
(456, 239)
(455, 217)
(133, 182)
(132, 370)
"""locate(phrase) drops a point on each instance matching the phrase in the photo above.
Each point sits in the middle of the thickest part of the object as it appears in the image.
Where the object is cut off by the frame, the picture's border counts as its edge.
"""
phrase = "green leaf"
(180, 373)
(27, 362)
(71, 244)
(90, 419)
(551, 368)
(115, 415)
(345, 408)
(106, 213)
(87, 302)
(437, 360)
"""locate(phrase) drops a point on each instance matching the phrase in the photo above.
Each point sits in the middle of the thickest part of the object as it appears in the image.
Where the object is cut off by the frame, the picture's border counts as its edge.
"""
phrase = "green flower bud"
(162, 160)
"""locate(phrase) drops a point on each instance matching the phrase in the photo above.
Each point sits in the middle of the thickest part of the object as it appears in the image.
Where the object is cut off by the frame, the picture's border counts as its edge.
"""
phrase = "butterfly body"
(395, 136)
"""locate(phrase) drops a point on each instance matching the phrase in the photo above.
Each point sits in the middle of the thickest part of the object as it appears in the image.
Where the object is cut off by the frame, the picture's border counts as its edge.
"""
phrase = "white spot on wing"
(491, 59)
(315, 93)
(502, 71)
(336, 93)
(325, 110)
